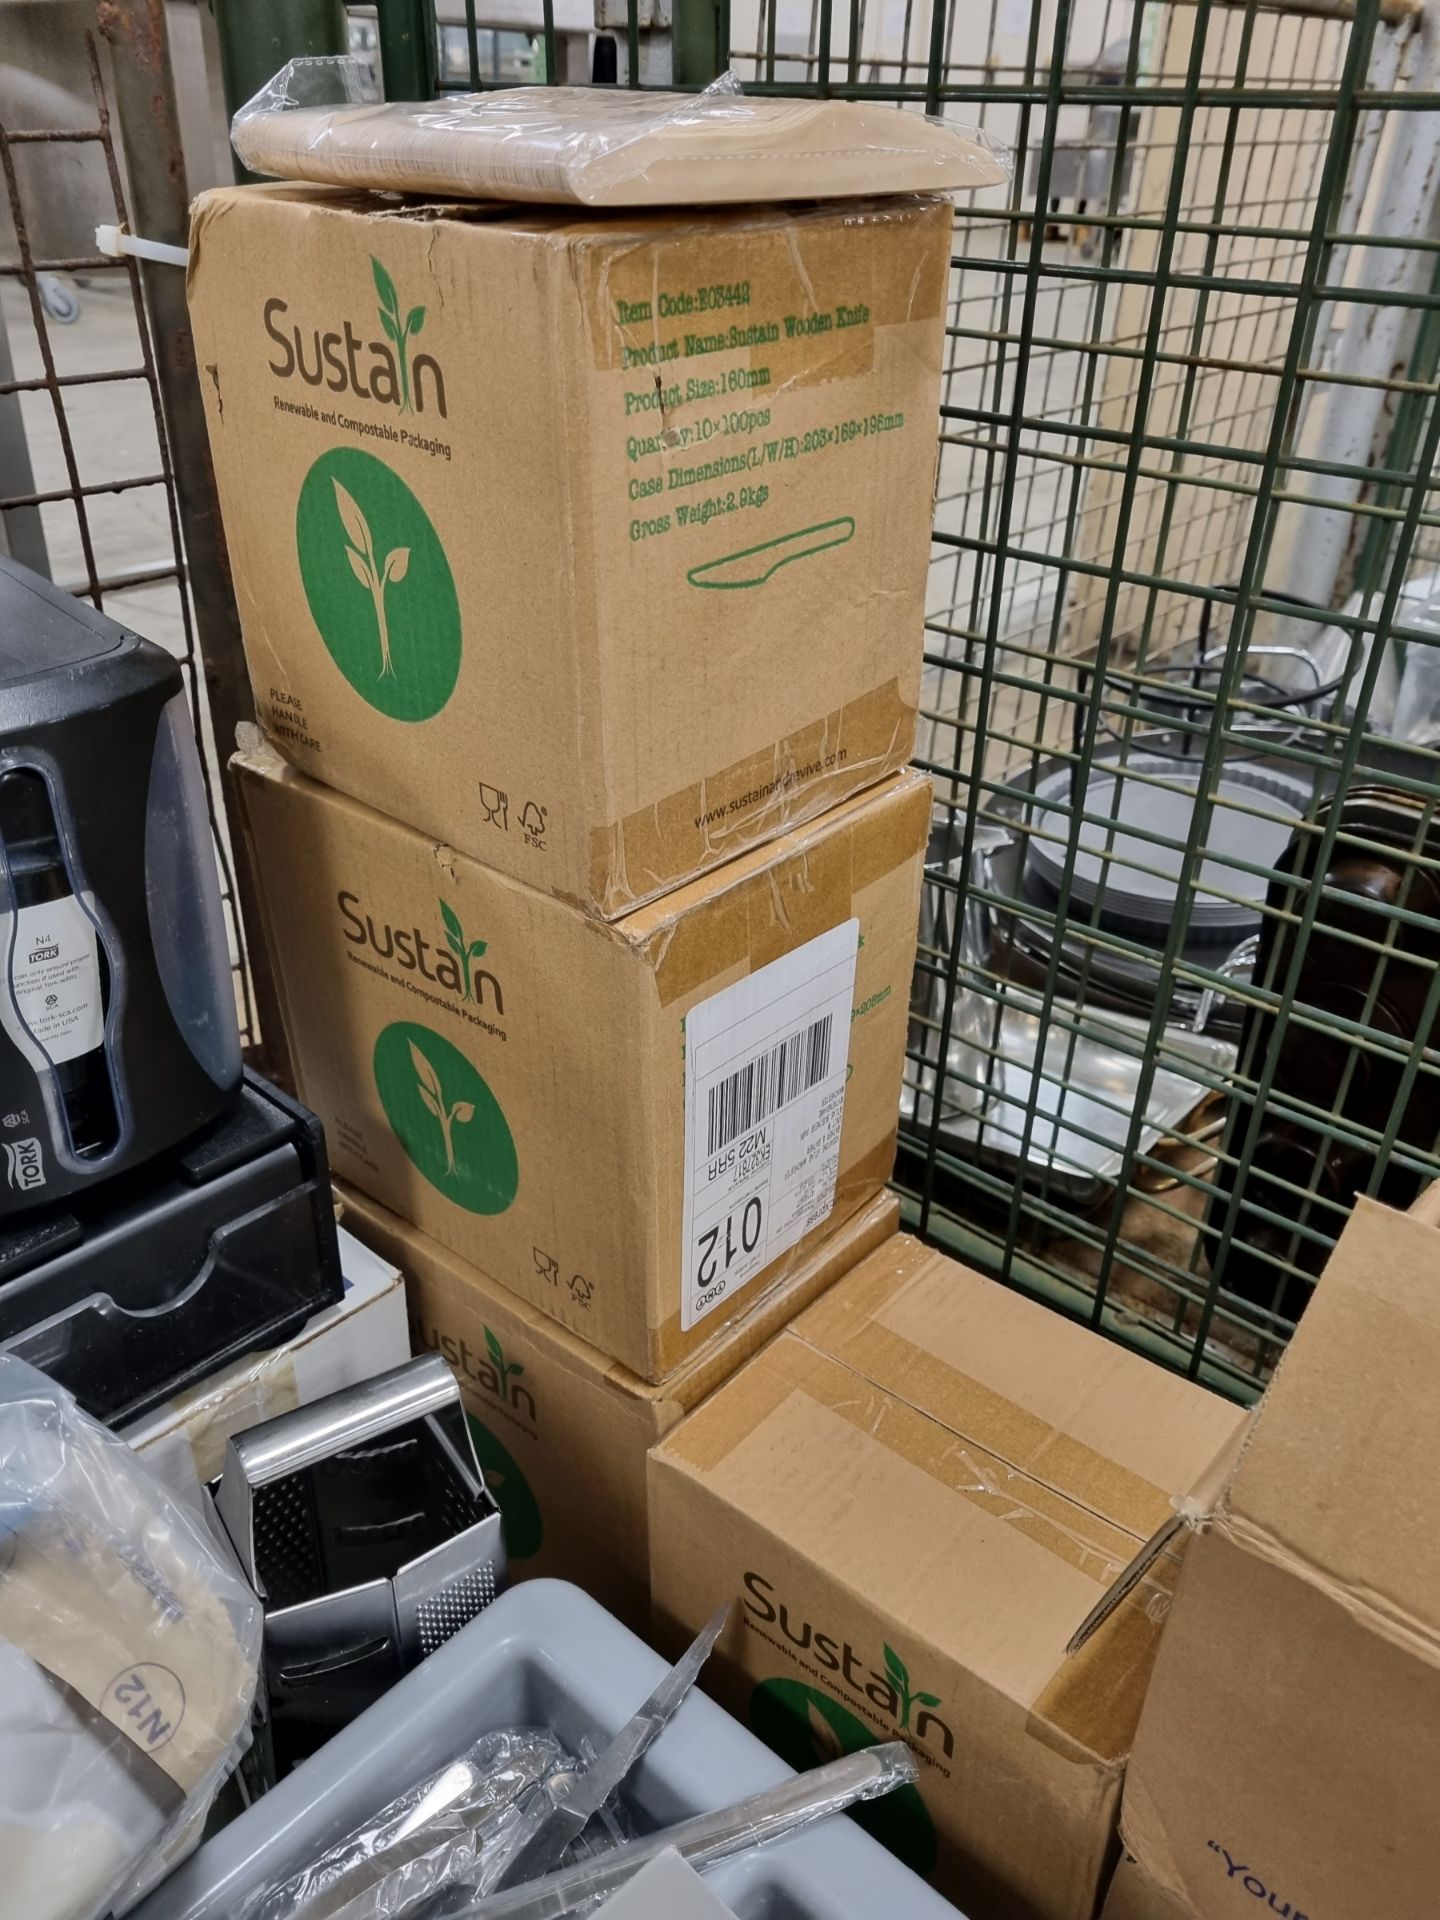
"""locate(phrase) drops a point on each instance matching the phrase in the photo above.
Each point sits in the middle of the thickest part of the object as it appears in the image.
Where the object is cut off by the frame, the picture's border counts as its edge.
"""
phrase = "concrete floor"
(112, 432)
(112, 429)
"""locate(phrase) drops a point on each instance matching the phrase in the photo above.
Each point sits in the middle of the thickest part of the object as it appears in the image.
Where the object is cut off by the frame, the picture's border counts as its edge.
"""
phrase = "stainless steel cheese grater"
(365, 1526)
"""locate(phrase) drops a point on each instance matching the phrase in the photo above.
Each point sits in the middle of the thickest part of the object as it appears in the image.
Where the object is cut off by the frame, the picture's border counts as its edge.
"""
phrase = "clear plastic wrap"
(602, 146)
(708, 1838)
(464, 1824)
(575, 1802)
(132, 1647)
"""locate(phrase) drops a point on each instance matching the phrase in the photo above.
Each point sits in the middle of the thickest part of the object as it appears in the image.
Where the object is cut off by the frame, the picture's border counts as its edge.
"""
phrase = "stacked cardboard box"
(580, 562)
(593, 547)
(915, 1497)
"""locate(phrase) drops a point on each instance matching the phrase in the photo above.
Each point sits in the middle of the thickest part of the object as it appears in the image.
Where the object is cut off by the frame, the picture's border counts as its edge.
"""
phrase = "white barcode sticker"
(765, 1066)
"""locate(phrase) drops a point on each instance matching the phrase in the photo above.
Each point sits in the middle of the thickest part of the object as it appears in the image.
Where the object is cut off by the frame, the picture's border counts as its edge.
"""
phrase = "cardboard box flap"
(1191, 1509)
(1087, 1420)
(1336, 1477)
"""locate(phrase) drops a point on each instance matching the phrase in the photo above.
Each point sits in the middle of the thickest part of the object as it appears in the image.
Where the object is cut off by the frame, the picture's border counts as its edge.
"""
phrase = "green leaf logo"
(467, 952)
(505, 1369)
(433, 1095)
(899, 1675)
(360, 552)
(446, 1118)
(399, 332)
(378, 584)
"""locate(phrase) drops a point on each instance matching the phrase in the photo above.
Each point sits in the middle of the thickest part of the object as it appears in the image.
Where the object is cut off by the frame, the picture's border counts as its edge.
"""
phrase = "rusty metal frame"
(211, 644)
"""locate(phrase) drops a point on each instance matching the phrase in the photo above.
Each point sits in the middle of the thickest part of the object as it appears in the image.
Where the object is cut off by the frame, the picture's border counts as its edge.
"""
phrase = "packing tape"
(1028, 1444)
(796, 264)
(750, 802)
(795, 894)
(1069, 1532)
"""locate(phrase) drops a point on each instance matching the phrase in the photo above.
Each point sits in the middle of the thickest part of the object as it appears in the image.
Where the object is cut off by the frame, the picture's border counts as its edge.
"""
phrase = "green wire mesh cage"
(1177, 985)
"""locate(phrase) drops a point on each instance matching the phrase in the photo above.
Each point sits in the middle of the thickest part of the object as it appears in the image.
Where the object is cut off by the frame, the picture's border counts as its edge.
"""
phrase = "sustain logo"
(378, 584)
(807, 1725)
(346, 362)
(408, 949)
(444, 1115)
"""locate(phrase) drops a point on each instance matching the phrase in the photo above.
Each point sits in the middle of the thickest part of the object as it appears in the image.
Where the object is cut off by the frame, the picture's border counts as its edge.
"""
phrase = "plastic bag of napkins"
(129, 1650)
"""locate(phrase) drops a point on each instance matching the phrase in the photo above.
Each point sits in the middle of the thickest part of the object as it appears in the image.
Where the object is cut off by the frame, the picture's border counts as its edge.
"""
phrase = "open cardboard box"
(1288, 1751)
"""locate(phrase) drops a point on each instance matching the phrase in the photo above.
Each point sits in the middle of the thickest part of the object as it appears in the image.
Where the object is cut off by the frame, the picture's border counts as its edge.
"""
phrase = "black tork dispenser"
(118, 1034)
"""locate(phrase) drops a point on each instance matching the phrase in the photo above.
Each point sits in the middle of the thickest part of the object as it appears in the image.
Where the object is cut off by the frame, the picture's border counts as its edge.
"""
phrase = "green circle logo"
(378, 583)
(806, 1728)
(519, 1509)
(446, 1118)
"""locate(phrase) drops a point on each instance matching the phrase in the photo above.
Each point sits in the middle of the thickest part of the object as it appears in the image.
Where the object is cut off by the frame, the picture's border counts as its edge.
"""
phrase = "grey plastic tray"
(546, 1654)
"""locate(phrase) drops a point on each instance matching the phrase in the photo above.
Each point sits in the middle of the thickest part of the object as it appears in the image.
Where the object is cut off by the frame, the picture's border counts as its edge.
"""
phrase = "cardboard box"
(626, 1124)
(363, 1334)
(1288, 1755)
(593, 546)
(1134, 1895)
(562, 1431)
(916, 1495)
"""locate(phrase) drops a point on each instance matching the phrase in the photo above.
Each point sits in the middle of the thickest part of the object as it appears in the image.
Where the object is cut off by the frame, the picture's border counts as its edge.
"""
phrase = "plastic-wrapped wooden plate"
(604, 147)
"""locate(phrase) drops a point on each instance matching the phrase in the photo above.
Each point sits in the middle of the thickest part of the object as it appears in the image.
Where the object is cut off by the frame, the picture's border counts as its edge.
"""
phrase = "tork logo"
(24, 1165)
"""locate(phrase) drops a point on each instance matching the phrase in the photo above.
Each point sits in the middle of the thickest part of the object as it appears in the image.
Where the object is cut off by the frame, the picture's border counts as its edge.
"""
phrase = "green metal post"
(257, 37)
(701, 54)
(408, 53)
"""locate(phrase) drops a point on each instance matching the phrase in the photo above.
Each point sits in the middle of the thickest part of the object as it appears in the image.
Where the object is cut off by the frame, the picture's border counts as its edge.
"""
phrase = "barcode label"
(766, 1061)
(761, 1088)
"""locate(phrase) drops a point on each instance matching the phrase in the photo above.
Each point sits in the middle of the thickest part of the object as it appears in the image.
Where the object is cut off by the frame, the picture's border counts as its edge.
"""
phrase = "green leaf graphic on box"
(823, 1736)
(378, 584)
(400, 332)
(384, 286)
(454, 932)
(495, 1351)
(445, 1116)
(896, 1669)
(926, 1700)
(753, 566)
(520, 1517)
(360, 552)
(433, 1094)
(466, 952)
(788, 1715)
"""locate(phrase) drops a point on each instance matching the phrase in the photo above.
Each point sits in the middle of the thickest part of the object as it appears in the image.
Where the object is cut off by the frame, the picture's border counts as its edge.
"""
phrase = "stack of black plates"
(1126, 885)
